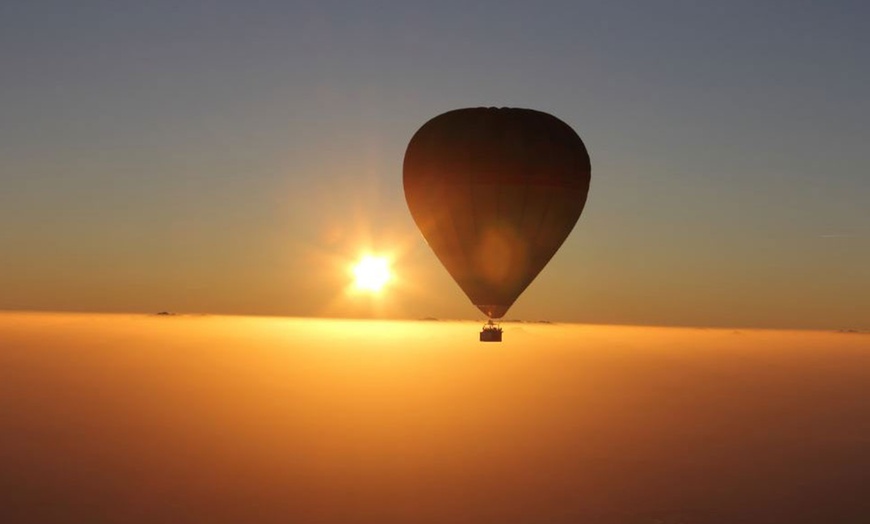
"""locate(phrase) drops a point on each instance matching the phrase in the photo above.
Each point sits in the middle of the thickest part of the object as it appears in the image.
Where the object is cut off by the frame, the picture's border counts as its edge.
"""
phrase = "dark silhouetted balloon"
(495, 192)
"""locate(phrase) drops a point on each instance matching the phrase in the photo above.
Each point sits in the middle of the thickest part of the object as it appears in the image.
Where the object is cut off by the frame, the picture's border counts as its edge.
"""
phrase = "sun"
(371, 273)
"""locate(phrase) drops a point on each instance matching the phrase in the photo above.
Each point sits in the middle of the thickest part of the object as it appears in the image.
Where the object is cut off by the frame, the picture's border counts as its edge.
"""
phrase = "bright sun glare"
(371, 273)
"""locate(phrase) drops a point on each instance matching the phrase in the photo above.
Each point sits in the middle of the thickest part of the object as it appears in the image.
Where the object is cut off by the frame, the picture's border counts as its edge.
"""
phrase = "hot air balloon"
(495, 192)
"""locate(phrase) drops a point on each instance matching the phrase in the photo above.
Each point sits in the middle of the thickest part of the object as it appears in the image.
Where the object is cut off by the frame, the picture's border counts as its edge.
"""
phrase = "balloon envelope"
(495, 192)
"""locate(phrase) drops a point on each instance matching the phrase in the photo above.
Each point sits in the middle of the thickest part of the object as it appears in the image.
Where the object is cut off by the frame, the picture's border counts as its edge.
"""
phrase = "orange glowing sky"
(237, 159)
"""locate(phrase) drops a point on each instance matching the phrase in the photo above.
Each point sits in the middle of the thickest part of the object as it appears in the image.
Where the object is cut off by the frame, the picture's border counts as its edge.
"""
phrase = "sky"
(227, 157)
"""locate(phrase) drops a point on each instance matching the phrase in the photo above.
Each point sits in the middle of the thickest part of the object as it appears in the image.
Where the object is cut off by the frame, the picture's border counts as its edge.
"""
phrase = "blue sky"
(193, 156)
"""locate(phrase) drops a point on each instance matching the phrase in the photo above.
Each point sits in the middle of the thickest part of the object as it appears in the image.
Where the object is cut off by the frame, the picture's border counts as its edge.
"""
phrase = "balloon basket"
(490, 333)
